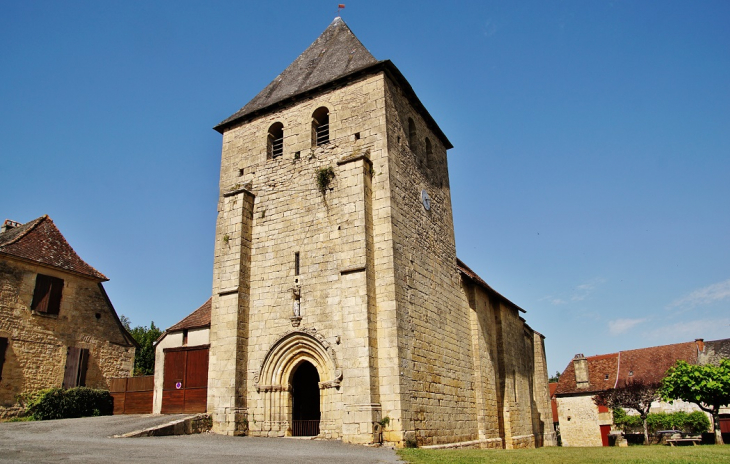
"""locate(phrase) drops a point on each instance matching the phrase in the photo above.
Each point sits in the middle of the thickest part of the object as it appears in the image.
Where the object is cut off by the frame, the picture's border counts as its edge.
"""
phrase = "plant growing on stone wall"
(324, 178)
(226, 239)
(384, 421)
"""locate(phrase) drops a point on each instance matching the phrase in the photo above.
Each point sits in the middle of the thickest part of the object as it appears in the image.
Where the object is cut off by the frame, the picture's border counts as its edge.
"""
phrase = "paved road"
(88, 440)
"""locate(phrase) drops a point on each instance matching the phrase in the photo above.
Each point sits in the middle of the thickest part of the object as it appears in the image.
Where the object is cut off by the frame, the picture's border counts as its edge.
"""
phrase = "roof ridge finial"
(340, 6)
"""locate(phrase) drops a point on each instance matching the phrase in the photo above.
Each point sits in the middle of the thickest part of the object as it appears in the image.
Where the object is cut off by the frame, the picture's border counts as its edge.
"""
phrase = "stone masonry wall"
(36, 353)
(543, 411)
(341, 236)
(579, 421)
(435, 348)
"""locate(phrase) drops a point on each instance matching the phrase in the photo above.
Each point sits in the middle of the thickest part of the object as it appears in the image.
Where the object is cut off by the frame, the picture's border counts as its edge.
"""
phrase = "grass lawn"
(709, 454)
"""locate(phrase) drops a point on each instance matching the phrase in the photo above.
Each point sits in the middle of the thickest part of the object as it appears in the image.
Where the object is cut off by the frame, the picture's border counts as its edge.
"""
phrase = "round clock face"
(426, 200)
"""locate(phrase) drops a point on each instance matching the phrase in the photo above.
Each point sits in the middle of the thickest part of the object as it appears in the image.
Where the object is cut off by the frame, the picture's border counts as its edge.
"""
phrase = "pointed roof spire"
(335, 54)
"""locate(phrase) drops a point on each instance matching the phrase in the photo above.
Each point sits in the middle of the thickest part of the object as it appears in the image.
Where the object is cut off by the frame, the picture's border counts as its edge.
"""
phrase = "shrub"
(626, 422)
(693, 423)
(56, 403)
(697, 422)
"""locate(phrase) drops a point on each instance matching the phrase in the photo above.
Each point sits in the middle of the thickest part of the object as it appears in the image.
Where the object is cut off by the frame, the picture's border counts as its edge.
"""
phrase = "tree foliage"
(144, 357)
(634, 394)
(708, 386)
(554, 378)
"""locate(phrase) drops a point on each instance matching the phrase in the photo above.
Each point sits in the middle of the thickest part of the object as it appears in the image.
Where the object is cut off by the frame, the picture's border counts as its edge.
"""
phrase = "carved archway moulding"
(290, 350)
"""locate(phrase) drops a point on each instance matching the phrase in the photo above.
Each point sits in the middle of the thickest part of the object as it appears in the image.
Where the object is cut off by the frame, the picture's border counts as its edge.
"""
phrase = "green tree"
(707, 386)
(144, 357)
(634, 394)
(554, 378)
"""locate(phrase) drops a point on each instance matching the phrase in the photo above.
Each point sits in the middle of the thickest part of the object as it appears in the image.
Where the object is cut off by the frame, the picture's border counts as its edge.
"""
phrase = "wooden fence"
(132, 395)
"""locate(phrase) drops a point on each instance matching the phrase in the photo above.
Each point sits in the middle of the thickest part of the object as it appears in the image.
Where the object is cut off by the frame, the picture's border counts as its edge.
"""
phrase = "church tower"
(338, 305)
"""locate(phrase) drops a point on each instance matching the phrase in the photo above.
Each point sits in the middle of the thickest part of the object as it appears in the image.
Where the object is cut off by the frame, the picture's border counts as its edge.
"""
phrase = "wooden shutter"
(3, 347)
(76, 362)
(42, 293)
(47, 294)
(54, 300)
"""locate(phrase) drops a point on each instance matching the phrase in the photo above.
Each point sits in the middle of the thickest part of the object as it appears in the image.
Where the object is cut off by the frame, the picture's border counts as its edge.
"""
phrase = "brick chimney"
(8, 224)
(580, 365)
(700, 344)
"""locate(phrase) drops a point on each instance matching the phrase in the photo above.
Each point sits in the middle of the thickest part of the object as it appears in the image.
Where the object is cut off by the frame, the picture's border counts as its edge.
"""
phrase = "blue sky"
(590, 173)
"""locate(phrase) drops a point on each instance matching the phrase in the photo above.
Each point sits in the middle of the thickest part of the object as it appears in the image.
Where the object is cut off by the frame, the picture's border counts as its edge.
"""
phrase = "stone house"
(181, 365)
(57, 325)
(339, 307)
(582, 423)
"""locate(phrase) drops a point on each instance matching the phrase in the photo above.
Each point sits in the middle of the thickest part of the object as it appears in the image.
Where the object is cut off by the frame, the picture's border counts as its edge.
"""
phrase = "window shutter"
(3, 347)
(73, 359)
(47, 294)
(83, 364)
(54, 301)
(41, 295)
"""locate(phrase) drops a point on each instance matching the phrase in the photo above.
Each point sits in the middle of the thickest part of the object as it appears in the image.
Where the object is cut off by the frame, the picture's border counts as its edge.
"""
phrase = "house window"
(47, 294)
(77, 360)
(185, 337)
(320, 126)
(412, 135)
(429, 153)
(3, 348)
(275, 141)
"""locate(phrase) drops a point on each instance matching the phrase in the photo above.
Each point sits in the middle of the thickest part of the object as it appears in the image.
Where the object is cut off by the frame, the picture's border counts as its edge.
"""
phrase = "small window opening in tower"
(296, 263)
(320, 126)
(412, 134)
(275, 141)
(357, 136)
(429, 153)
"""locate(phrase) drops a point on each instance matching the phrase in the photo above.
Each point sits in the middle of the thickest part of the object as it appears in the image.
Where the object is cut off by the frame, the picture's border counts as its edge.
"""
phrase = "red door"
(605, 430)
(185, 383)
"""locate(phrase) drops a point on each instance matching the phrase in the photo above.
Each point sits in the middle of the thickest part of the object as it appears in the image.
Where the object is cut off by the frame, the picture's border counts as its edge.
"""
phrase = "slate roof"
(471, 275)
(335, 53)
(197, 319)
(336, 56)
(40, 241)
(614, 369)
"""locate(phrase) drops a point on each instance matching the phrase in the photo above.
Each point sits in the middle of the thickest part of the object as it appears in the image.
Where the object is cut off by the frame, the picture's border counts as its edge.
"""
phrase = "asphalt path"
(89, 440)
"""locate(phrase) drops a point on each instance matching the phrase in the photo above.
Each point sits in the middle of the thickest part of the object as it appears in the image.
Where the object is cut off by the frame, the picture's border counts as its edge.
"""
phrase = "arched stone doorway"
(305, 400)
(300, 364)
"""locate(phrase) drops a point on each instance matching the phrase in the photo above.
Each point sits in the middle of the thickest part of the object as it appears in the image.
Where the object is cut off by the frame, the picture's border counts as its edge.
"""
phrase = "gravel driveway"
(87, 440)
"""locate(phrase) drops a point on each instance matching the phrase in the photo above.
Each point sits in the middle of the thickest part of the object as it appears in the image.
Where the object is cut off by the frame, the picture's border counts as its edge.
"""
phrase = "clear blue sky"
(590, 175)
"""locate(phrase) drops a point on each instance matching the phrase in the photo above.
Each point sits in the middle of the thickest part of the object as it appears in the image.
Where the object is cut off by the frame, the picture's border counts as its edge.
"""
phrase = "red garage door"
(185, 386)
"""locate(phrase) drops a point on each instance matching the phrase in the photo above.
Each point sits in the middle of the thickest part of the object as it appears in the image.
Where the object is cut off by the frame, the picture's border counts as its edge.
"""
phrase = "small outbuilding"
(181, 365)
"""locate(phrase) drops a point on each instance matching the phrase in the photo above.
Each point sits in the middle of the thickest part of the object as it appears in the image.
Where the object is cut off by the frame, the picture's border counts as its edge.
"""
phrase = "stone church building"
(339, 307)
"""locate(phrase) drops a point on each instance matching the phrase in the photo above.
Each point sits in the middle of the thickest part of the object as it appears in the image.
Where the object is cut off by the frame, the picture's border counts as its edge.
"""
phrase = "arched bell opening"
(305, 400)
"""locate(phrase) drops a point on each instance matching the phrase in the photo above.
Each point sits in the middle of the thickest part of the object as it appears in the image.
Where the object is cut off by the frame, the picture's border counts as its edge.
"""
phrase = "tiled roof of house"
(615, 369)
(471, 275)
(41, 241)
(197, 319)
(553, 403)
